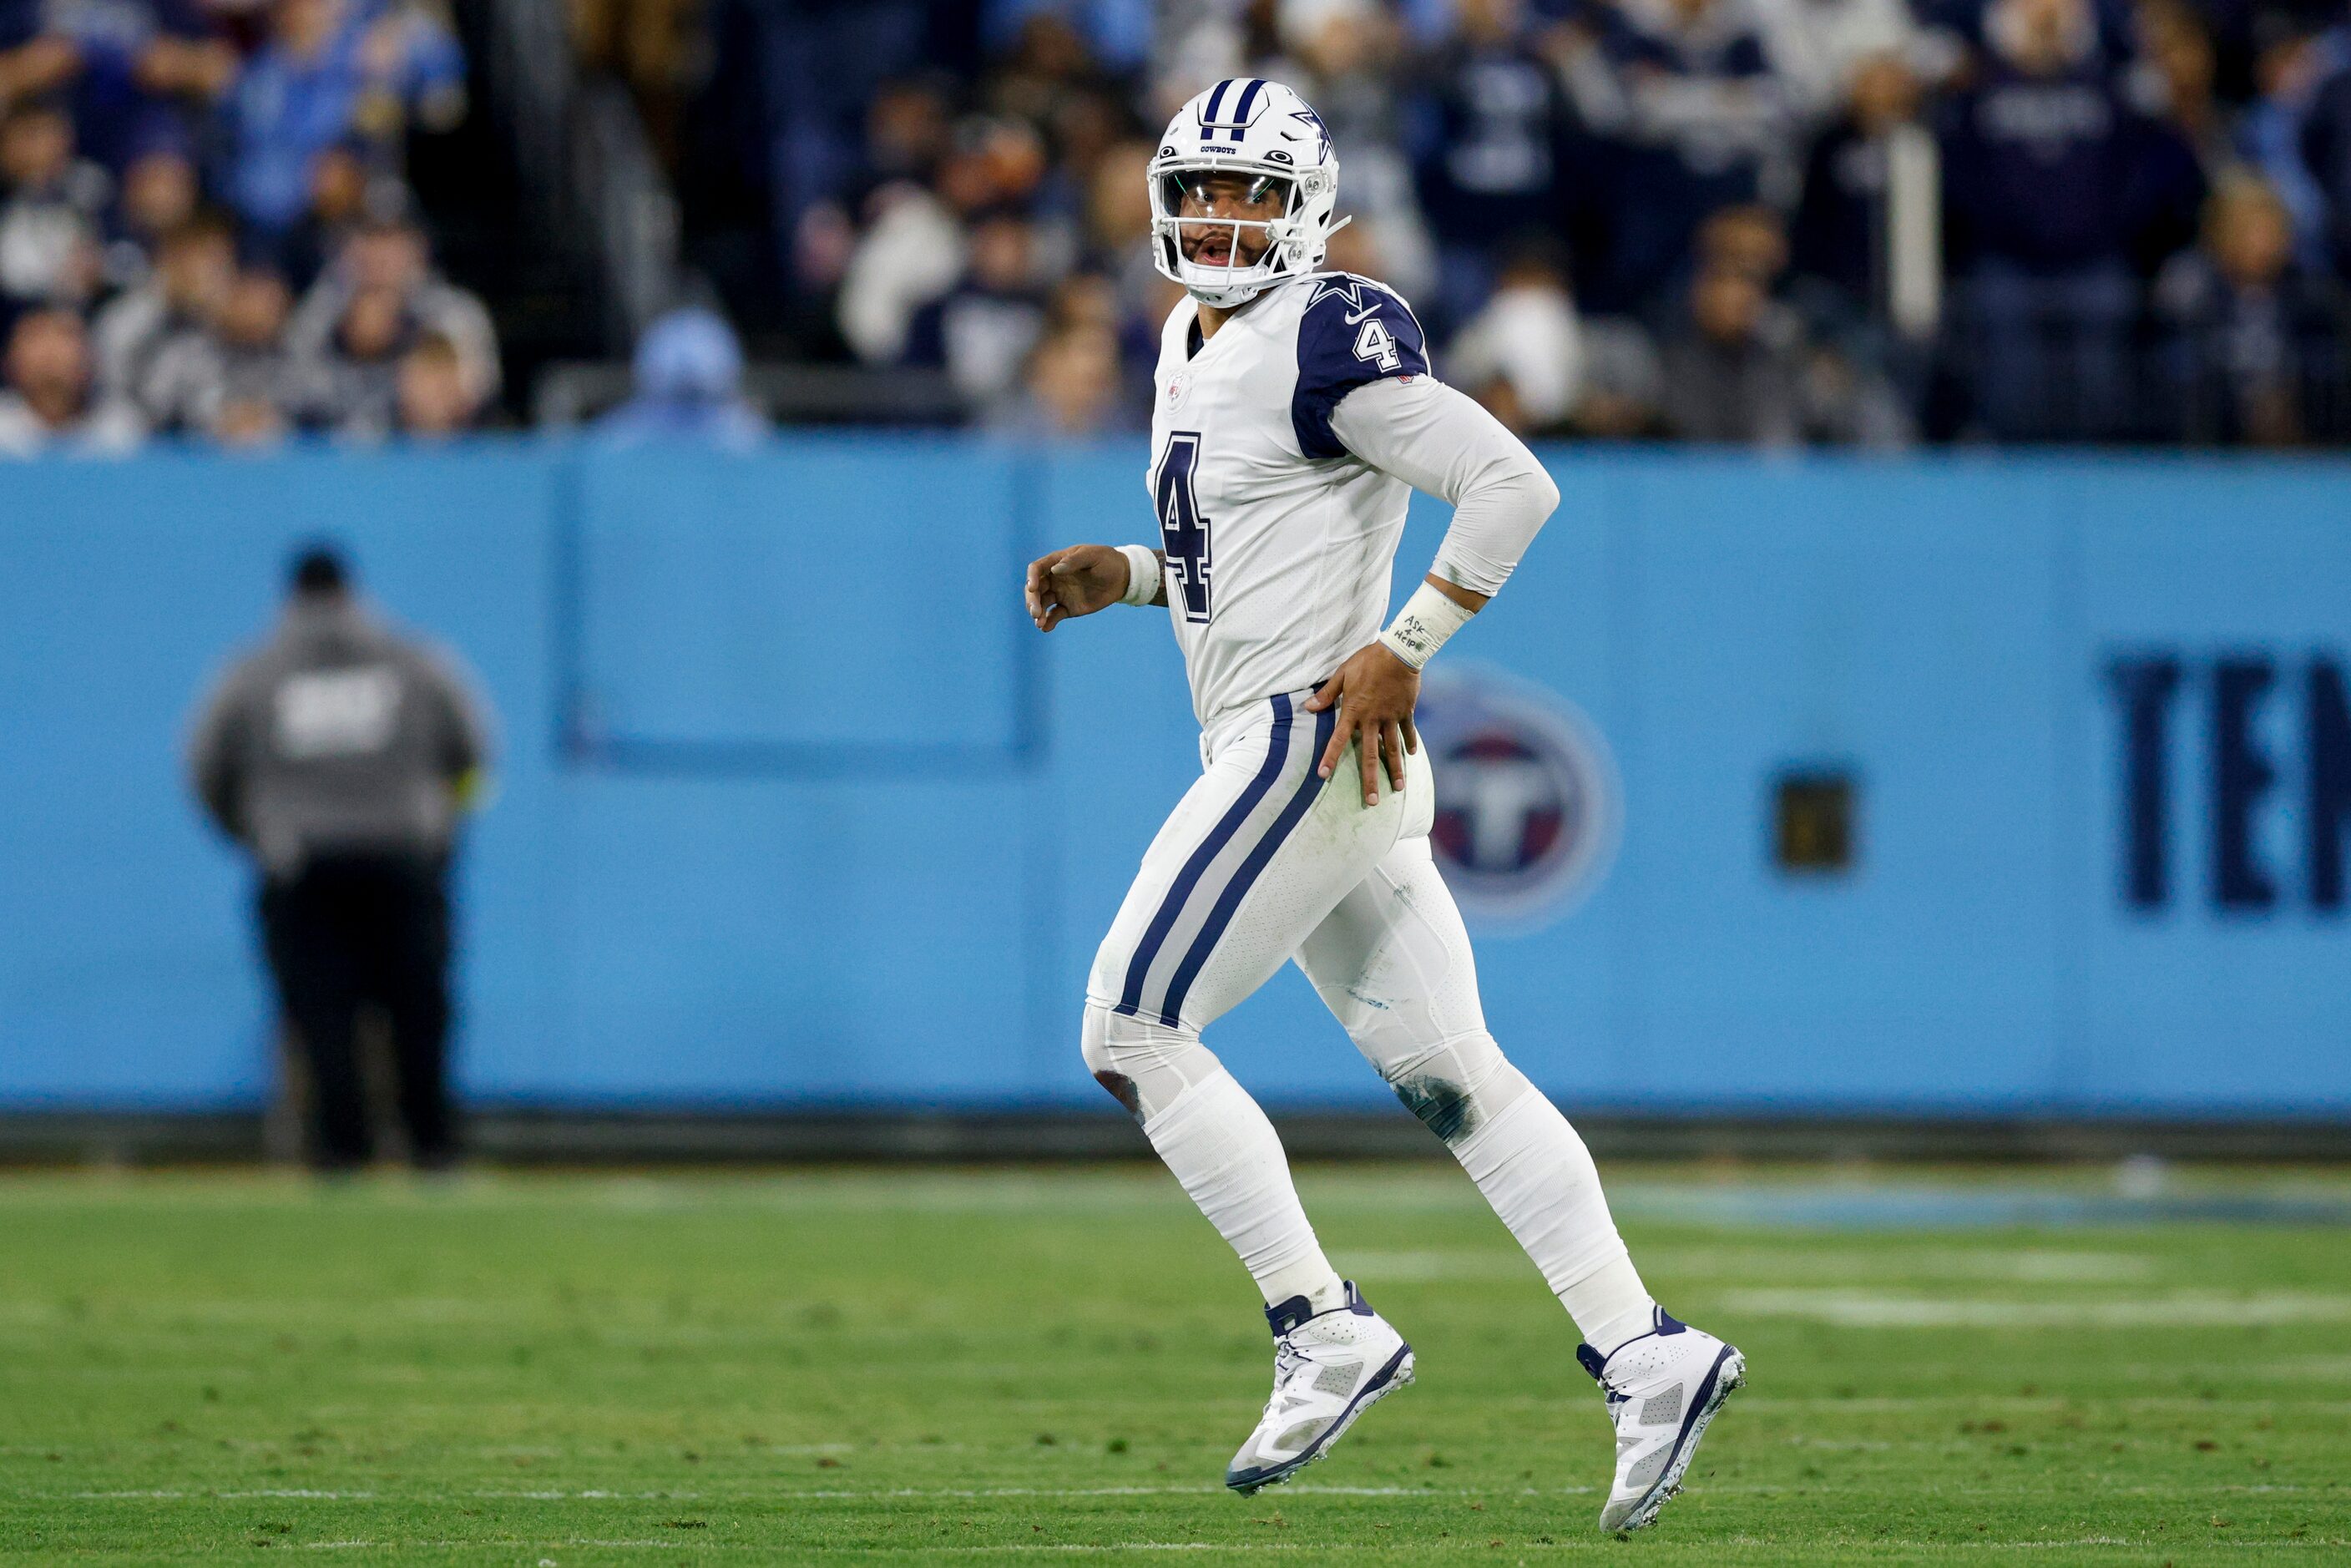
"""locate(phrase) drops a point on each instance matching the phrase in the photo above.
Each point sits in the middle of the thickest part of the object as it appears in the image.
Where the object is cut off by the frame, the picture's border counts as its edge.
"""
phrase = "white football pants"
(1262, 862)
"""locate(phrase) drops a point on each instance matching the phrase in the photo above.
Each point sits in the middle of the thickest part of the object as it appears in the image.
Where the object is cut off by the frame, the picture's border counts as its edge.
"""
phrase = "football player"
(1293, 414)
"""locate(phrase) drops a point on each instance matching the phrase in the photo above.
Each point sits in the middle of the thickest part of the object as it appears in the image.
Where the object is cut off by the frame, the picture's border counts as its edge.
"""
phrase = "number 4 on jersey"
(1375, 345)
(1183, 531)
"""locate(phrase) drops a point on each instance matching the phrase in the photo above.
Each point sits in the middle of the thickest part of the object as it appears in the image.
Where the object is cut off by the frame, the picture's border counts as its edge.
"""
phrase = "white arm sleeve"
(1442, 442)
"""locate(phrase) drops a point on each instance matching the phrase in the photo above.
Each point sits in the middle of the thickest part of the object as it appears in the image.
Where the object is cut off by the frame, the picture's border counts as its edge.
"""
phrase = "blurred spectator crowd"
(1765, 222)
(205, 229)
(1771, 222)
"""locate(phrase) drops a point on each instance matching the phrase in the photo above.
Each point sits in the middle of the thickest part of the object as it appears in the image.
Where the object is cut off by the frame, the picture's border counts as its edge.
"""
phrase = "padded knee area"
(1457, 1087)
(1144, 1066)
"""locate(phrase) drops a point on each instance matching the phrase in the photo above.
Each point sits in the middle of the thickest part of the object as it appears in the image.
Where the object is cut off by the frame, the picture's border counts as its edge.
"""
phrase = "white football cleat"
(1662, 1389)
(1328, 1369)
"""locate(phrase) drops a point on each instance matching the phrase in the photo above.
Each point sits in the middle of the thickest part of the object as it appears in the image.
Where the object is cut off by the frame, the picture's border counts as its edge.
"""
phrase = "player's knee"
(1140, 1064)
(1465, 1061)
(1458, 1086)
(1093, 1044)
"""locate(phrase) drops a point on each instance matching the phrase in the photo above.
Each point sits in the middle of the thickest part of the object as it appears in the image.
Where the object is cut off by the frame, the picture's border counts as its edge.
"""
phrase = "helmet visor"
(1226, 194)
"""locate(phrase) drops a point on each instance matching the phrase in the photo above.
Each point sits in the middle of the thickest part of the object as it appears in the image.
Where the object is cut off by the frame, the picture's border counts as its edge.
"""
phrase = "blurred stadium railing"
(572, 393)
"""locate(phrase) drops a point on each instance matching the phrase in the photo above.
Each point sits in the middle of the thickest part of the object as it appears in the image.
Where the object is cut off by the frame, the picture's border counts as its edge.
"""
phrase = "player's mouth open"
(1212, 250)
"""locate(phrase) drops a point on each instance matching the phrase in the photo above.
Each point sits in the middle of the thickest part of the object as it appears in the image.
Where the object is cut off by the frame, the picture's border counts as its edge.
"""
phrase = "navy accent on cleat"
(1662, 1321)
(1283, 1316)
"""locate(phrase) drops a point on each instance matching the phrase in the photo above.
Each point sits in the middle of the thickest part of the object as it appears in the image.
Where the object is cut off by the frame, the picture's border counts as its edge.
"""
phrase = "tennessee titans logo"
(1528, 804)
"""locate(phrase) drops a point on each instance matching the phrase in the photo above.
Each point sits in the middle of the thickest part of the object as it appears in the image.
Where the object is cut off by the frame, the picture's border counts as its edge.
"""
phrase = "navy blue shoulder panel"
(1354, 331)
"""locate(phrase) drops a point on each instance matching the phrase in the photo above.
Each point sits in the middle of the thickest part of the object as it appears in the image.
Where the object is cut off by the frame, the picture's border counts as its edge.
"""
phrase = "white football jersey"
(1280, 541)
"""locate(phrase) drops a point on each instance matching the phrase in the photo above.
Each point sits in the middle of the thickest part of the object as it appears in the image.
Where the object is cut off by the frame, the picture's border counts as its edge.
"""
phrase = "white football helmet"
(1262, 130)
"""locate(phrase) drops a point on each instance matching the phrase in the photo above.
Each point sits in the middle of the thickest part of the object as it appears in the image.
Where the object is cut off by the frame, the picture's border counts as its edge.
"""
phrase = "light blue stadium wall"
(794, 809)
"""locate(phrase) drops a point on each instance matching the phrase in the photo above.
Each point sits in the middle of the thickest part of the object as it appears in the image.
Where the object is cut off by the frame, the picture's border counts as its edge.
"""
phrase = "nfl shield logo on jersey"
(1528, 800)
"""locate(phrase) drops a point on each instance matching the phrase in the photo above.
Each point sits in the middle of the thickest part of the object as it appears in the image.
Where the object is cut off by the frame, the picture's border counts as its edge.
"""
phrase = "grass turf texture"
(943, 1367)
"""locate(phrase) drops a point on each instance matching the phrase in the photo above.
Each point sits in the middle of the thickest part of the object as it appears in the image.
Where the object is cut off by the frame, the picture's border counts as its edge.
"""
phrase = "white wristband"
(1142, 575)
(1424, 624)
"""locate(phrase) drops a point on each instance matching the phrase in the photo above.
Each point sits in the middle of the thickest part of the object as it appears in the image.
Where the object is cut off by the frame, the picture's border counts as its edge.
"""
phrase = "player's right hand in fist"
(1074, 582)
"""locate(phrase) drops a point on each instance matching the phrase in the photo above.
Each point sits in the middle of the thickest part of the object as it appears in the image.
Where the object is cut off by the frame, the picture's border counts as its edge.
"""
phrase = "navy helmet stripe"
(1241, 109)
(1277, 754)
(1216, 102)
(1244, 878)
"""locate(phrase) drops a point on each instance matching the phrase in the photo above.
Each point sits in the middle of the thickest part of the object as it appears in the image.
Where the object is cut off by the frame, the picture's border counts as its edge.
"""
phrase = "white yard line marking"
(214, 1496)
(1870, 1309)
(1891, 1543)
(2033, 1266)
(1415, 1268)
(2051, 1404)
(1081, 1549)
(1202, 1489)
(2308, 1369)
(593, 1494)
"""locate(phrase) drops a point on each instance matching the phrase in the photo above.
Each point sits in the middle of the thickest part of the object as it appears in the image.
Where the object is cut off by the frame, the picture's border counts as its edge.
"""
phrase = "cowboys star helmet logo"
(1321, 131)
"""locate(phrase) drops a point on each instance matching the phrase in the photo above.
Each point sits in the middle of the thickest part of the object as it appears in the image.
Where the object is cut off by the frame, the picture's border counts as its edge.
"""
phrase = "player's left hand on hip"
(1374, 693)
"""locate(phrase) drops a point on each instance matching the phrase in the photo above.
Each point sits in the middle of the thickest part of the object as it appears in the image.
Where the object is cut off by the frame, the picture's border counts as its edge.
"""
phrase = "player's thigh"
(1193, 822)
(1250, 862)
(1392, 960)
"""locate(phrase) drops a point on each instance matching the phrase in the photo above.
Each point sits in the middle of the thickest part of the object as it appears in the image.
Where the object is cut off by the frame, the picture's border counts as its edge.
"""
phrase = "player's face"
(1251, 198)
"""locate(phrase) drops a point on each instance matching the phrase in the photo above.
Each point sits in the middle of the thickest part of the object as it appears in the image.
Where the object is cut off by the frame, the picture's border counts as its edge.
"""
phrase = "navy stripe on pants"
(1171, 908)
(1243, 879)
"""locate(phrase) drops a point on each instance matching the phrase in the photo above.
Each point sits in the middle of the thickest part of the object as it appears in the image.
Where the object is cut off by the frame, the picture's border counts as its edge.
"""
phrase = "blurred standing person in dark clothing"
(1743, 372)
(2256, 342)
(341, 187)
(2323, 141)
(1700, 120)
(982, 329)
(1492, 147)
(1868, 163)
(340, 755)
(1734, 375)
(1347, 58)
(1867, 239)
(2052, 183)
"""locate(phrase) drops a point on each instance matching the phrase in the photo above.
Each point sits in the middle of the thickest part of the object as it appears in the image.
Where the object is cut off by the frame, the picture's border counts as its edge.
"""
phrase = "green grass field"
(944, 1366)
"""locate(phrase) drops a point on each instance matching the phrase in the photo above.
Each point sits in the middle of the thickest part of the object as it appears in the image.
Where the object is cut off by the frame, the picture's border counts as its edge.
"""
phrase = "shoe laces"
(1293, 1363)
(1595, 1364)
(1287, 1362)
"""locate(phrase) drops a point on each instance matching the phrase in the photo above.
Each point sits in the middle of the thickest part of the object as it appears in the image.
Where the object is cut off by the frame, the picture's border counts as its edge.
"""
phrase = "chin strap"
(1224, 298)
(1227, 298)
